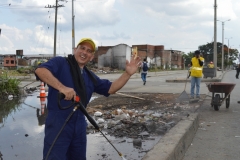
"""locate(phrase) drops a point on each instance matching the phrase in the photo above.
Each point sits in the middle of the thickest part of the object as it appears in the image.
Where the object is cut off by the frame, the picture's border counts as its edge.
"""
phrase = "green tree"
(188, 58)
(233, 56)
(207, 51)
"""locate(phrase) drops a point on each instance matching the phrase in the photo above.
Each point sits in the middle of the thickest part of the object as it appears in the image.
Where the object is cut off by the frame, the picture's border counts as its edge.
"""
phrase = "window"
(175, 57)
(7, 61)
(12, 62)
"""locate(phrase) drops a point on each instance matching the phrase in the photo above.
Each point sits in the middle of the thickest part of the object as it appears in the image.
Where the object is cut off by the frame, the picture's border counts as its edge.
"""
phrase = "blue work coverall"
(71, 144)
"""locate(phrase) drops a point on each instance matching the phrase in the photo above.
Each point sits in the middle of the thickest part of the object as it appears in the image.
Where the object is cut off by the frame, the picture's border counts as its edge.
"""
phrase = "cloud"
(96, 14)
(115, 36)
(173, 23)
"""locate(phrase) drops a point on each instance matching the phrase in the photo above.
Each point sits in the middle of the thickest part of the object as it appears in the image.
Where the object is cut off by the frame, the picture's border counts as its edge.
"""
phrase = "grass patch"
(8, 86)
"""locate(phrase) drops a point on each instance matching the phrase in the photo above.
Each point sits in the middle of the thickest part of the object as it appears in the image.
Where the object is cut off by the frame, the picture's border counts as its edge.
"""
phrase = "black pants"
(237, 72)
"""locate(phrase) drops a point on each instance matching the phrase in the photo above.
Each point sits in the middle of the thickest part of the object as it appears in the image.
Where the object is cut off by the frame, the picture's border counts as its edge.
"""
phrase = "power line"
(47, 29)
(20, 7)
(56, 6)
(5, 4)
(89, 0)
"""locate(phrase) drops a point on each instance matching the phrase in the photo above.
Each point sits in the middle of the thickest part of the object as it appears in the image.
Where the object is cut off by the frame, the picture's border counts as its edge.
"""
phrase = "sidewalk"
(176, 142)
(218, 135)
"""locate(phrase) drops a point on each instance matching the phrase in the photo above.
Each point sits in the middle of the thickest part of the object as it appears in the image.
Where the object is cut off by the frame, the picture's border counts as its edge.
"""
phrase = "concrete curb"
(215, 79)
(174, 144)
(189, 80)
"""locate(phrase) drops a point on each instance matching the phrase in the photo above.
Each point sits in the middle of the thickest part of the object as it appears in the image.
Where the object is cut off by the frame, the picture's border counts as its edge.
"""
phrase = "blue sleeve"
(53, 65)
(103, 86)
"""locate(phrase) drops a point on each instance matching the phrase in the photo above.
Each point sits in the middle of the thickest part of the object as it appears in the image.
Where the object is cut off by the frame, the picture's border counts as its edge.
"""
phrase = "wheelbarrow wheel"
(216, 102)
(228, 101)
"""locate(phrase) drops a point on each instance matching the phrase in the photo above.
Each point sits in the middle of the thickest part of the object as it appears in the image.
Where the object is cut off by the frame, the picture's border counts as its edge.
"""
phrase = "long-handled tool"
(184, 96)
(78, 105)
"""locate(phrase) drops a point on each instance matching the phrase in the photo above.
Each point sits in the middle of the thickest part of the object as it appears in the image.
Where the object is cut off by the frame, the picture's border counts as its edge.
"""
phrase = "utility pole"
(73, 32)
(223, 42)
(222, 46)
(55, 26)
(215, 37)
(228, 51)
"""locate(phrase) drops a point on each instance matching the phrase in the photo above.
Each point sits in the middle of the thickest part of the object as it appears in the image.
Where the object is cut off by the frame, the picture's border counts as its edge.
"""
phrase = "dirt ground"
(148, 113)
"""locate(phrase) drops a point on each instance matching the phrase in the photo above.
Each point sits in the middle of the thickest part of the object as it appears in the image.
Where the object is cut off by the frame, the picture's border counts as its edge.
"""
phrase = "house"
(172, 59)
(151, 53)
(14, 61)
(10, 61)
(115, 56)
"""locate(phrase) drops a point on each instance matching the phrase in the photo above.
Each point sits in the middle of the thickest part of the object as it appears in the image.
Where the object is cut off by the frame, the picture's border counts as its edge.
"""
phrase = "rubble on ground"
(134, 118)
(105, 70)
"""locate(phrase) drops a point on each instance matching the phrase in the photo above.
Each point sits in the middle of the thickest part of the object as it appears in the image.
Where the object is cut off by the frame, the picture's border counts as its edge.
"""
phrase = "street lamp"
(223, 41)
(228, 49)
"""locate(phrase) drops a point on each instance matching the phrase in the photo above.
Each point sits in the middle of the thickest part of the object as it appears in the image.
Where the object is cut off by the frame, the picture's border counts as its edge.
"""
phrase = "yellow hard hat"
(88, 40)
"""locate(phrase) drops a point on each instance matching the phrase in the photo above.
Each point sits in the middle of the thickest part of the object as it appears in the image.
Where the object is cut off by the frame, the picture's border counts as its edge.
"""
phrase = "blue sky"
(177, 24)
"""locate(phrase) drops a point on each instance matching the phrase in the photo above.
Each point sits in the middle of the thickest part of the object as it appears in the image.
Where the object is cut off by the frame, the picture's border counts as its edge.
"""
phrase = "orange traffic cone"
(43, 103)
(42, 91)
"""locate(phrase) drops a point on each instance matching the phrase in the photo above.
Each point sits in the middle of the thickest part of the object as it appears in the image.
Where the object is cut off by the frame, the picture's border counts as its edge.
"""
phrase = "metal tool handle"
(60, 97)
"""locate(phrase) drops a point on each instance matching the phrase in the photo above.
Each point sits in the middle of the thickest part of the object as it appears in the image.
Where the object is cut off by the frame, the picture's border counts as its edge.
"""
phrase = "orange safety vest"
(196, 69)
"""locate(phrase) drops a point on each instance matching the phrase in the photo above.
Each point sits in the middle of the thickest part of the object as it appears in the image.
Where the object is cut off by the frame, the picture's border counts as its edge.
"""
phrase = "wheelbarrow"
(220, 93)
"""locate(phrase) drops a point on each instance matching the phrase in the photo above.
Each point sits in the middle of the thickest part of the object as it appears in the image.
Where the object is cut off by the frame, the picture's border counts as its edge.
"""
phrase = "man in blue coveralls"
(71, 143)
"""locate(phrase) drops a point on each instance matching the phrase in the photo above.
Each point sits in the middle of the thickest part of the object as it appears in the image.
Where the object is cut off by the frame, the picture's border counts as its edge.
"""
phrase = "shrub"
(8, 86)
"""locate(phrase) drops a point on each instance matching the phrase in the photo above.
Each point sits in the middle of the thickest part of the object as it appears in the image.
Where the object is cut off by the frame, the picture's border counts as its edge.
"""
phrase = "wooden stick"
(129, 96)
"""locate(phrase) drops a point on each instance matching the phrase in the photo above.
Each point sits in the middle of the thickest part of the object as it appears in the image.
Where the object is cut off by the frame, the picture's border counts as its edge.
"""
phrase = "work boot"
(144, 83)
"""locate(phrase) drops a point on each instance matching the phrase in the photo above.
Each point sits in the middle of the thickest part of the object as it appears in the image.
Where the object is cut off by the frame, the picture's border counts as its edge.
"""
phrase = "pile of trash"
(105, 70)
(133, 123)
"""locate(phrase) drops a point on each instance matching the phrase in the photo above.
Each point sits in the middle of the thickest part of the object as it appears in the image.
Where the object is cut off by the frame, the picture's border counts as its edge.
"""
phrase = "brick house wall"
(153, 53)
(145, 51)
(156, 55)
(100, 51)
(172, 59)
(10, 61)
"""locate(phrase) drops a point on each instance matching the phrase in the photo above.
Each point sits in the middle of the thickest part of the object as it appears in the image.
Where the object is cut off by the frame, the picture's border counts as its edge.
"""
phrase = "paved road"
(156, 82)
(218, 135)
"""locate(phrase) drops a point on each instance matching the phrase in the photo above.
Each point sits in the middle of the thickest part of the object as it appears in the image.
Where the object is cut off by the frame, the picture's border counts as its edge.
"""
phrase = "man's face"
(83, 53)
(197, 55)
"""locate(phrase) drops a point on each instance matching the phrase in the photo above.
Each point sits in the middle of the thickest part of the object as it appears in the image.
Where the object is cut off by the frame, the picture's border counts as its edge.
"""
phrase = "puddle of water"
(16, 123)
(22, 134)
(99, 148)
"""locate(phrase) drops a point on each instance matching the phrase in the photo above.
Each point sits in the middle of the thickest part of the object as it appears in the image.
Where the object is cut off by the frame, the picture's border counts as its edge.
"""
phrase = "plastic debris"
(98, 114)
